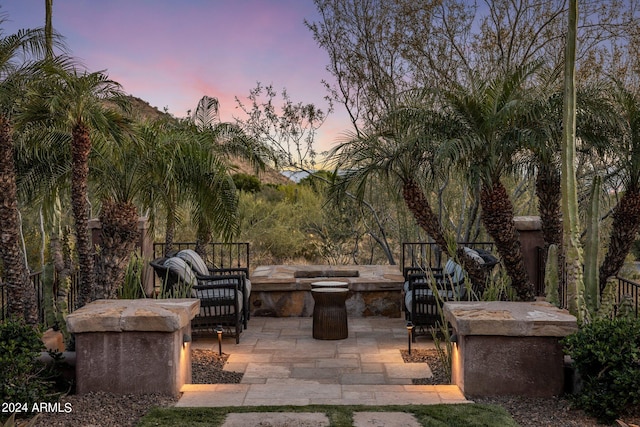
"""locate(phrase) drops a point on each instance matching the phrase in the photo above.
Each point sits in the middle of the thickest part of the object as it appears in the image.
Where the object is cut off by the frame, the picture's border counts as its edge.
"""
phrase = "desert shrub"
(24, 379)
(606, 353)
(245, 182)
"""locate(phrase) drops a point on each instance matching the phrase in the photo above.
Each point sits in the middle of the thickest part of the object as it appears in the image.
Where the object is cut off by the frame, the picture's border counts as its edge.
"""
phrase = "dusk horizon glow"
(171, 54)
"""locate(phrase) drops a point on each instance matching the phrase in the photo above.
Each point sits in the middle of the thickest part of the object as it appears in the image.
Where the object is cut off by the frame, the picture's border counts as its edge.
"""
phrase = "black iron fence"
(429, 255)
(218, 255)
(37, 279)
(630, 291)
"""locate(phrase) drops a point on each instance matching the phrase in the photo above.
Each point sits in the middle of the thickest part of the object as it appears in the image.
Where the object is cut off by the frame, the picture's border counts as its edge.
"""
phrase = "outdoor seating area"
(428, 285)
(223, 292)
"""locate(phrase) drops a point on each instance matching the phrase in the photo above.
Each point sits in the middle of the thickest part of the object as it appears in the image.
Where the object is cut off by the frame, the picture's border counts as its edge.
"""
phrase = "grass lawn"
(467, 415)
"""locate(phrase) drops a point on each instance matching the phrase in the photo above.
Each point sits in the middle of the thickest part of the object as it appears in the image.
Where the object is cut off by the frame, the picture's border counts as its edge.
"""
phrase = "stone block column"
(133, 346)
(508, 348)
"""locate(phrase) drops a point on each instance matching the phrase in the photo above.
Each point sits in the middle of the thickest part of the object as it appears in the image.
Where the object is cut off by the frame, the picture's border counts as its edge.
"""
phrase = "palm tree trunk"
(425, 217)
(80, 149)
(170, 231)
(119, 235)
(549, 197)
(497, 217)
(203, 237)
(548, 190)
(21, 293)
(626, 223)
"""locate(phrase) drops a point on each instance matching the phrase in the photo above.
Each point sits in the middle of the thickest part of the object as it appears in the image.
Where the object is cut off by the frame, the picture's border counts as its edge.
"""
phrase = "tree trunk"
(80, 149)
(170, 230)
(549, 197)
(203, 237)
(119, 234)
(22, 301)
(497, 217)
(63, 268)
(626, 223)
(548, 190)
(425, 217)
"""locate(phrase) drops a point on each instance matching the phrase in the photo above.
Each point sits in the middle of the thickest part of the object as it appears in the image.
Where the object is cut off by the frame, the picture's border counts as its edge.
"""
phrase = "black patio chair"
(221, 297)
(201, 270)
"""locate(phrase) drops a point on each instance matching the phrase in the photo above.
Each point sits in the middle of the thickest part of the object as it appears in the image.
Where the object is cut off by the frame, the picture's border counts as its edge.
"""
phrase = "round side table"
(330, 313)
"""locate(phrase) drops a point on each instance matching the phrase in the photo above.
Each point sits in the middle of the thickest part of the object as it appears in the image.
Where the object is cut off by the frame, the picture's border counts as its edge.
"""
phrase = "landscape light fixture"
(186, 338)
(454, 338)
(409, 334)
(219, 332)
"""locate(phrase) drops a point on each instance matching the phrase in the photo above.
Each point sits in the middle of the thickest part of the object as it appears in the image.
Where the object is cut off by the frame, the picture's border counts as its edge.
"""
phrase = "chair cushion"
(182, 269)
(216, 293)
(194, 260)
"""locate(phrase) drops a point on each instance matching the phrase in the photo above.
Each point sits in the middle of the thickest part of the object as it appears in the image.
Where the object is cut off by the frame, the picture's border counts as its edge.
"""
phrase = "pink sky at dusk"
(171, 53)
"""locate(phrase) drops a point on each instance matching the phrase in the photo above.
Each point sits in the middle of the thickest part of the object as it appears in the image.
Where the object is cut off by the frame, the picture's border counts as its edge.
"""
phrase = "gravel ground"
(108, 410)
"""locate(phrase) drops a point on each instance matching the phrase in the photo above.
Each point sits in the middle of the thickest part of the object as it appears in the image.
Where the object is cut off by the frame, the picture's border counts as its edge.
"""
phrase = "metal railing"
(220, 255)
(630, 290)
(429, 255)
(625, 289)
(38, 283)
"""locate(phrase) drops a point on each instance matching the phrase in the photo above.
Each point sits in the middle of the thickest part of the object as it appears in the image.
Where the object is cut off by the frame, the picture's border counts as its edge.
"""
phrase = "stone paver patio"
(284, 365)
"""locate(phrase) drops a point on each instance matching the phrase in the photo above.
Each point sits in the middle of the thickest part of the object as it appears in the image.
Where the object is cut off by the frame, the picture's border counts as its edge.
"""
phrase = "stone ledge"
(167, 315)
(498, 318)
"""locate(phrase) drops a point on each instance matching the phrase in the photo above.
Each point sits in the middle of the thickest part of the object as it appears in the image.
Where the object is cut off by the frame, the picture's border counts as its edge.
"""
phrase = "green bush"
(24, 380)
(245, 182)
(606, 353)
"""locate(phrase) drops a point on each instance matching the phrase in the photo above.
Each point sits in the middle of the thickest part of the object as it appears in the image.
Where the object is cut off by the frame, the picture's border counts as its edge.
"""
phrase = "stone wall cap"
(527, 223)
(167, 315)
(499, 318)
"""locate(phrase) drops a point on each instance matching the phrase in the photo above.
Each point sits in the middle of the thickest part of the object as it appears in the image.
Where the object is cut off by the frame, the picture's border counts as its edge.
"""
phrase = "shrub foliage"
(23, 379)
(606, 353)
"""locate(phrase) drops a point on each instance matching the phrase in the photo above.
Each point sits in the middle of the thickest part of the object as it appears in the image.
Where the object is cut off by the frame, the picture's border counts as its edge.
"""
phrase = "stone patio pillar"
(133, 346)
(508, 348)
(531, 239)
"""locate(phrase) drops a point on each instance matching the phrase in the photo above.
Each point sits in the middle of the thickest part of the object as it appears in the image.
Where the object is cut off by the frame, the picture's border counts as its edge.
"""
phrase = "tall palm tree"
(14, 73)
(184, 168)
(488, 113)
(403, 150)
(82, 105)
(626, 214)
(596, 125)
(118, 174)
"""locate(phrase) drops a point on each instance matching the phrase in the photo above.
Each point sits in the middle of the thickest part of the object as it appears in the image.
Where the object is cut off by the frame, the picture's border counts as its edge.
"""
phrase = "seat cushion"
(194, 260)
(216, 293)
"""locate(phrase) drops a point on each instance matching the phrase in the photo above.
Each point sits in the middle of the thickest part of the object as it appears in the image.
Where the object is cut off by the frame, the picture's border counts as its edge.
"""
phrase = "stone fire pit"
(285, 290)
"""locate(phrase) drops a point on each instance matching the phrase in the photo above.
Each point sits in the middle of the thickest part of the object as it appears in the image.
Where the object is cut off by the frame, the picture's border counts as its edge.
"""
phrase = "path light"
(219, 332)
(186, 338)
(454, 338)
(409, 333)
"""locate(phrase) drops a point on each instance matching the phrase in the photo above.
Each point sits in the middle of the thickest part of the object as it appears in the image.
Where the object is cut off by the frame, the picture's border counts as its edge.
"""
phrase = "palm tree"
(13, 75)
(403, 150)
(81, 105)
(118, 173)
(487, 113)
(184, 168)
(626, 214)
(596, 124)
